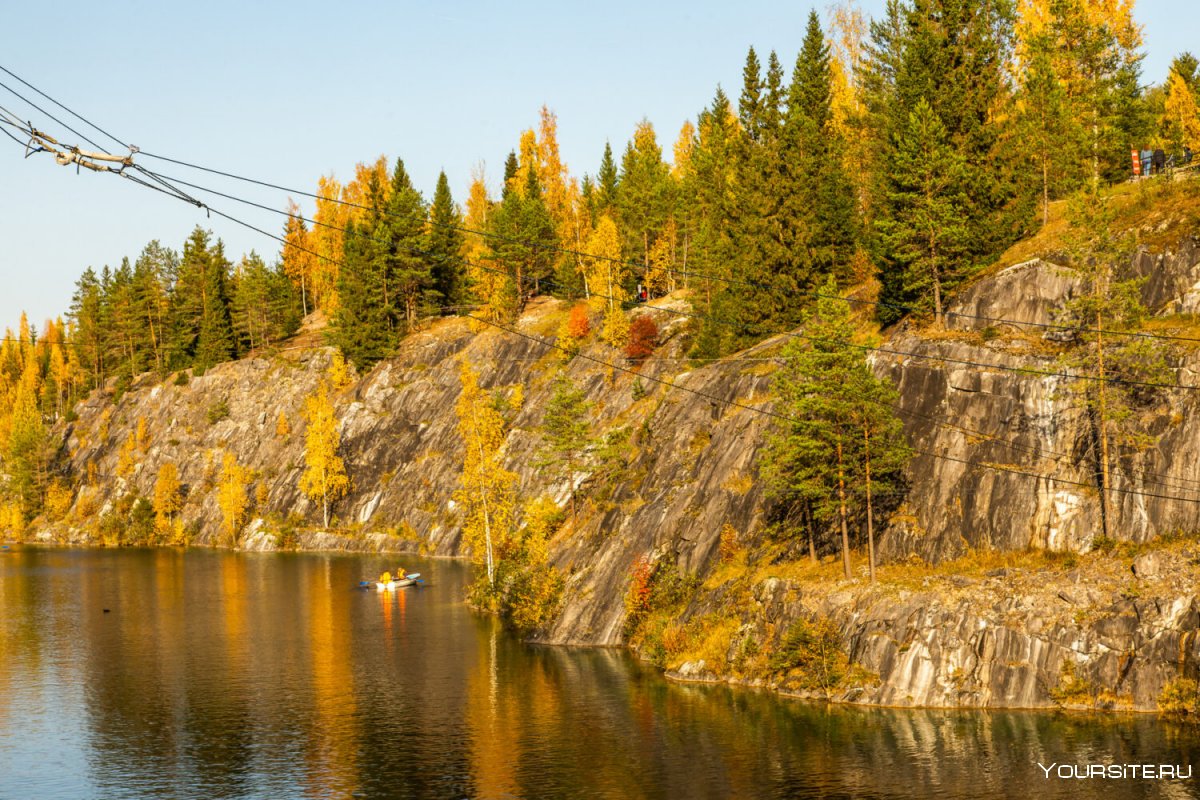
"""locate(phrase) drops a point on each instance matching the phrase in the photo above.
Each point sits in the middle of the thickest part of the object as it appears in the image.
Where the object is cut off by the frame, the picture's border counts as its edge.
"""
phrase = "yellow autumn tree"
(339, 372)
(1181, 118)
(489, 492)
(327, 238)
(660, 276)
(232, 496)
(605, 273)
(168, 499)
(488, 285)
(127, 456)
(282, 428)
(324, 479)
(299, 255)
(143, 435)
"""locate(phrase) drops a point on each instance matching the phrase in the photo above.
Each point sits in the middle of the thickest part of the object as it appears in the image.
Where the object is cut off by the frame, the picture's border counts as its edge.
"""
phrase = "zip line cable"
(559, 248)
(64, 108)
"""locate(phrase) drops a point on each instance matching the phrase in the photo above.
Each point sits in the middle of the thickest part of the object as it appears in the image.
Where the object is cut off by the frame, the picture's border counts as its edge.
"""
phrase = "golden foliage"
(1180, 112)
(143, 435)
(232, 497)
(58, 500)
(127, 457)
(324, 479)
(168, 497)
(616, 328)
(660, 277)
(282, 428)
(488, 493)
(339, 372)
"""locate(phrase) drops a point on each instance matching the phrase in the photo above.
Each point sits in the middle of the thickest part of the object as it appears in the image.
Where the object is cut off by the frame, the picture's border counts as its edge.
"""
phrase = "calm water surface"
(223, 675)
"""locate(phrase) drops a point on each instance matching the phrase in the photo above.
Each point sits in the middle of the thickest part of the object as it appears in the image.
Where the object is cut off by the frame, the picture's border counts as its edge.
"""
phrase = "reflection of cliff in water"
(224, 674)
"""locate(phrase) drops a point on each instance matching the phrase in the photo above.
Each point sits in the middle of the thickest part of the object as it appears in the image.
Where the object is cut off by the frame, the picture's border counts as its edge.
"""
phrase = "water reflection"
(271, 676)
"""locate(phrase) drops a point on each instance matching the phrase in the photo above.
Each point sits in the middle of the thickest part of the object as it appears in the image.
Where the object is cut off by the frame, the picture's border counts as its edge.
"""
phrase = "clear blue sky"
(288, 91)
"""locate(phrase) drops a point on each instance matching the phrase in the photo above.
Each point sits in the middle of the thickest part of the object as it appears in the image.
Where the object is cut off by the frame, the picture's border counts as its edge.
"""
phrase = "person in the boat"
(385, 577)
(400, 573)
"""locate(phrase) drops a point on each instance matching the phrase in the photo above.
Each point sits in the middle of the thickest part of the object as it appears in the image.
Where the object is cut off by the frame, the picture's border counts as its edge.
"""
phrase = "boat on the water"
(395, 584)
(388, 583)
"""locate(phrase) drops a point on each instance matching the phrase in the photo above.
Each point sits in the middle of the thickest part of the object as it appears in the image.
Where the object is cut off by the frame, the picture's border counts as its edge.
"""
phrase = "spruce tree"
(643, 201)
(202, 329)
(566, 432)
(362, 327)
(605, 196)
(216, 341)
(926, 235)
(444, 245)
(401, 276)
(840, 449)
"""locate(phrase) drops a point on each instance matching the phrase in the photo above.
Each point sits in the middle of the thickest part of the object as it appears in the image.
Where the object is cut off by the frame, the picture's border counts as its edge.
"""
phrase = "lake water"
(225, 675)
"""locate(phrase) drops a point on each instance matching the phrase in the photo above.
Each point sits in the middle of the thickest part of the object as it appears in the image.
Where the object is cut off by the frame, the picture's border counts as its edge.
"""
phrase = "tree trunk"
(870, 511)
(1045, 190)
(1105, 479)
(842, 511)
(487, 518)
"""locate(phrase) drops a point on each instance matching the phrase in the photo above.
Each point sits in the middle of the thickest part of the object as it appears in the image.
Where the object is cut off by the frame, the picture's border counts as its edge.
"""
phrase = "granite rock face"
(687, 464)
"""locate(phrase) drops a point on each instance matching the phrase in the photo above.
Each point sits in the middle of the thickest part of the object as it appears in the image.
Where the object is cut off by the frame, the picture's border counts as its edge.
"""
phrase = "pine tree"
(401, 273)
(952, 56)
(202, 328)
(85, 315)
(324, 479)
(362, 327)
(524, 243)
(925, 235)
(566, 432)
(1045, 123)
(444, 245)
(643, 201)
(840, 432)
(605, 196)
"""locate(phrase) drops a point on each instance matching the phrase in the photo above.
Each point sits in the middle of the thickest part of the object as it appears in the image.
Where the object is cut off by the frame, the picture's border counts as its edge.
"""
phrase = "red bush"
(578, 326)
(643, 338)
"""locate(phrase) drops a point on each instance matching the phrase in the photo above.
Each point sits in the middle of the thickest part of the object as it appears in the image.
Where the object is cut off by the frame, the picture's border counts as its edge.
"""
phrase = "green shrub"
(811, 656)
(218, 411)
(1180, 697)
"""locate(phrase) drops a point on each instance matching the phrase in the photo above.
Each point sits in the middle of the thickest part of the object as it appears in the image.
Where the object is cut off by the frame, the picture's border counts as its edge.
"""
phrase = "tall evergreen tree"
(840, 432)
(362, 327)
(951, 56)
(926, 235)
(402, 275)
(202, 329)
(643, 200)
(605, 196)
(444, 245)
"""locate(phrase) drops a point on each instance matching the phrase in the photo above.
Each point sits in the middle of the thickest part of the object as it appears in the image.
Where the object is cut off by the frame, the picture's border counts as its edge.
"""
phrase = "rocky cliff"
(687, 440)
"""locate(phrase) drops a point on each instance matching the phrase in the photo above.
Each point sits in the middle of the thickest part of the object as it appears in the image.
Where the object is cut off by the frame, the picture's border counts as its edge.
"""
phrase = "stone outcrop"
(686, 464)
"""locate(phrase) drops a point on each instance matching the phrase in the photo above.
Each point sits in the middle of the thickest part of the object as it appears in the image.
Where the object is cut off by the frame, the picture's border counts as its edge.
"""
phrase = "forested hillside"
(896, 160)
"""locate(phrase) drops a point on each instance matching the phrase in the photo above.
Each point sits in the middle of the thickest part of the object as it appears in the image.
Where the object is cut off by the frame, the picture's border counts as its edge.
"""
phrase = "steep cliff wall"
(689, 466)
